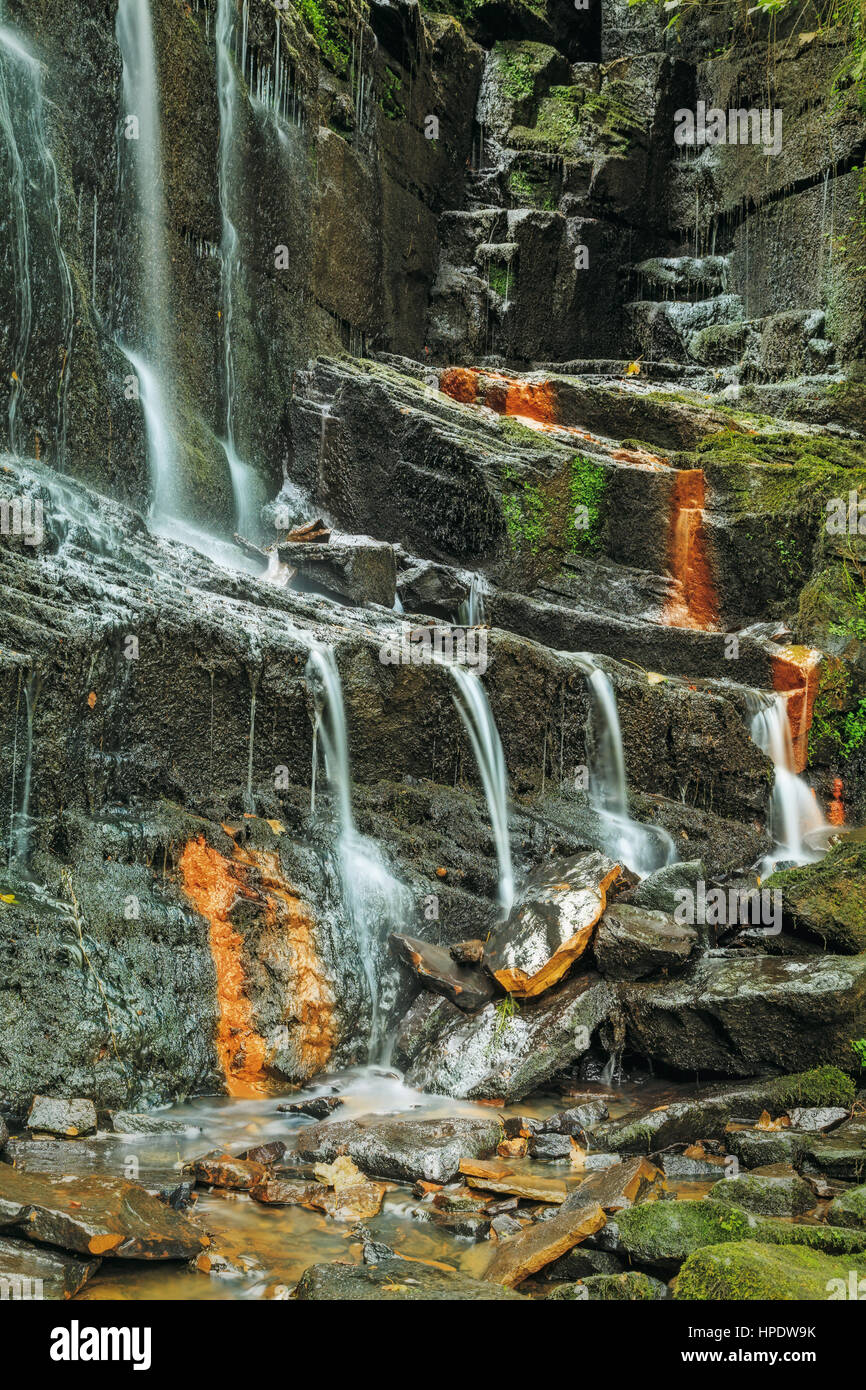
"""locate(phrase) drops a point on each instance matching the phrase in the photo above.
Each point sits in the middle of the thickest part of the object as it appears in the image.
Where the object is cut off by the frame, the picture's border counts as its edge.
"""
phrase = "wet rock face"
(29, 1272)
(394, 1280)
(467, 986)
(500, 1053)
(633, 943)
(65, 1118)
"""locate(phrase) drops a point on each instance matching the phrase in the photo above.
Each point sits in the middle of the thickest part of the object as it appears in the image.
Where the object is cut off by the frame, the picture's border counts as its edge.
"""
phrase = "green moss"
(822, 1086)
(323, 22)
(665, 1233)
(630, 1287)
(838, 719)
(525, 514)
(849, 1209)
(518, 65)
(501, 280)
(531, 188)
(588, 487)
(828, 900)
(391, 85)
(829, 1240)
(748, 1270)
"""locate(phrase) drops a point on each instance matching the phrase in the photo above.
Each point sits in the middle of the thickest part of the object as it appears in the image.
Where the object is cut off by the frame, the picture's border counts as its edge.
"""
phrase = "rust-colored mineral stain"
(212, 886)
(696, 605)
(795, 675)
(460, 383)
(836, 806)
(533, 400)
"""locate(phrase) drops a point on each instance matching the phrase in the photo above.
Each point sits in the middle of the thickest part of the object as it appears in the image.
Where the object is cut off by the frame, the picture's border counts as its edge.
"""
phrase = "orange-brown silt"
(696, 604)
(212, 886)
(460, 383)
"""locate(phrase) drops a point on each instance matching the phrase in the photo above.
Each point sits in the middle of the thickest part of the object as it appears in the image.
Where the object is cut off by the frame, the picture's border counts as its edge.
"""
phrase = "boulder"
(841, 1154)
(96, 1216)
(658, 890)
(357, 569)
(744, 1270)
(576, 1120)
(67, 1119)
(661, 1235)
(777, 1190)
(317, 1108)
(394, 1280)
(552, 925)
(828, 899)
(583, 1261)
(405, 1150)
(551, 1148)
(467, 986)
(619, 1186)
(849, 1208)
(729, 1015)
(221, 1169)
(131, 1122)
(632, 943)
(26, 1272)
(630, 1286)
(494, 1054)
(277, 1192)
(817, 1119)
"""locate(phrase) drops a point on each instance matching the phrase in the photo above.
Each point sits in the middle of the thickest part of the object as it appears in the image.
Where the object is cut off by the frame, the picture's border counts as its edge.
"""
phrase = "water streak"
(474, 710)
(794, 811)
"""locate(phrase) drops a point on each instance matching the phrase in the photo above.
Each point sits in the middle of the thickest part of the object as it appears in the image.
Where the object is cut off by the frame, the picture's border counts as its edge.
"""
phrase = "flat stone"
(815, 1119)
(220, 1169)
(551, 1148)
(394, 1280)
(434, 967)
(317, 1108)
(355, 1202)
(552, 924)
(840, 1154)
(131, 1122)
(711, 1166)
(278, 1193)
(634, 943)
(67, 1119)
(577, 1120)
(405, 1150)
(526, 1254)
(505, 1225)
(267, 1154)
(30, 1272)
(524, 1185)
(619, 1186)
(356, 568)
(97, 1216)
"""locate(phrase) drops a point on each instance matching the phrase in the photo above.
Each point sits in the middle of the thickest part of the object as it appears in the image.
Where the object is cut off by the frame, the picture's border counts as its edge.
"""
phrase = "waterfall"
(140, 156)
(471, 612)
(31, 224)
(474, 710)
(375, 902)
(794, 812)
(642, 848)
(243, 477)
(19, 830)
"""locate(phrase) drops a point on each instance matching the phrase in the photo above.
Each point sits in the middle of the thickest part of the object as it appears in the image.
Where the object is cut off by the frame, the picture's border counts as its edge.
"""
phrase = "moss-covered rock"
(821, 1086)
(629, 1287)
(849, 1208)
(777, 1194)
(747, 1270)
(663, 1234)
(828, 899)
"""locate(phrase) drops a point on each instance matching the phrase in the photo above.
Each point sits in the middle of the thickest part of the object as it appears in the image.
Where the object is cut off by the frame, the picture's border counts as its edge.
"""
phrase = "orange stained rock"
(212, 885)
(696, 605)
(795, 675)
(461, 383)
(533, 400)
(836, 806)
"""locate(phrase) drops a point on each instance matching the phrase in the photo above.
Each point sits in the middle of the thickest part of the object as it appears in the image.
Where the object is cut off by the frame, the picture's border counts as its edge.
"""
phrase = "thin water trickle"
(474, 710)
(642, 848)
(794, 810)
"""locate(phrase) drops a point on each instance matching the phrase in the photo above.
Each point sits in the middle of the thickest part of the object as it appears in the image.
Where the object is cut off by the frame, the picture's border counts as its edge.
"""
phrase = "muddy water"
(274, 1245)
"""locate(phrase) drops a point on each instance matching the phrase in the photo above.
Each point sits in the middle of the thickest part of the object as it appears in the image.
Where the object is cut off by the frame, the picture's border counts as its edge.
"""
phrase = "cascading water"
(32, 224)
(375, 901)
(244, 482)
(141, 181)
(474, 710)
(471, 612)
(642, 848)
(794, 811)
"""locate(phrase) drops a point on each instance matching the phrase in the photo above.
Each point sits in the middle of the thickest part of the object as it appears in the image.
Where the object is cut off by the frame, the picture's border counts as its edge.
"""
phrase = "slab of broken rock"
(66, 1119)
(221, 1169)
(400, 1149)
(633, 943)
(395, 1280)
(521, 1255)
(552, 924)
(434, 967)
(356, 568)
(96, 1215)
(28, 1272)
(496, 1176)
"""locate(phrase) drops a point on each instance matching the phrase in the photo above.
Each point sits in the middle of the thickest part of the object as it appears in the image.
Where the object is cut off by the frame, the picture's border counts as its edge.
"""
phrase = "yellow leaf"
(7, 897)
(633, 369)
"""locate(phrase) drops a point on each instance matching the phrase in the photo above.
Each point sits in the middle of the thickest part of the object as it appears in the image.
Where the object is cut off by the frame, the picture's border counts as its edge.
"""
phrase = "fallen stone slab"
(97, 1216)
(775, 1191)
(526, 1254)
(404, 1150)
(630, 1286)
(28, 1272)
(746, 1270)
(498, 1177)
(552, 924)
(435, 969)
(274, 1151)
(744, 1015)
(849, 1208)
(494, 1056)
(395, 1280)
(278, 1193)
(317, 1108)
(67, 1119)
(221, 1169)
(618, 1187)
(817, 1119)
(356, 568)
(634, 943)
(840, 1154)
(131, 1122)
